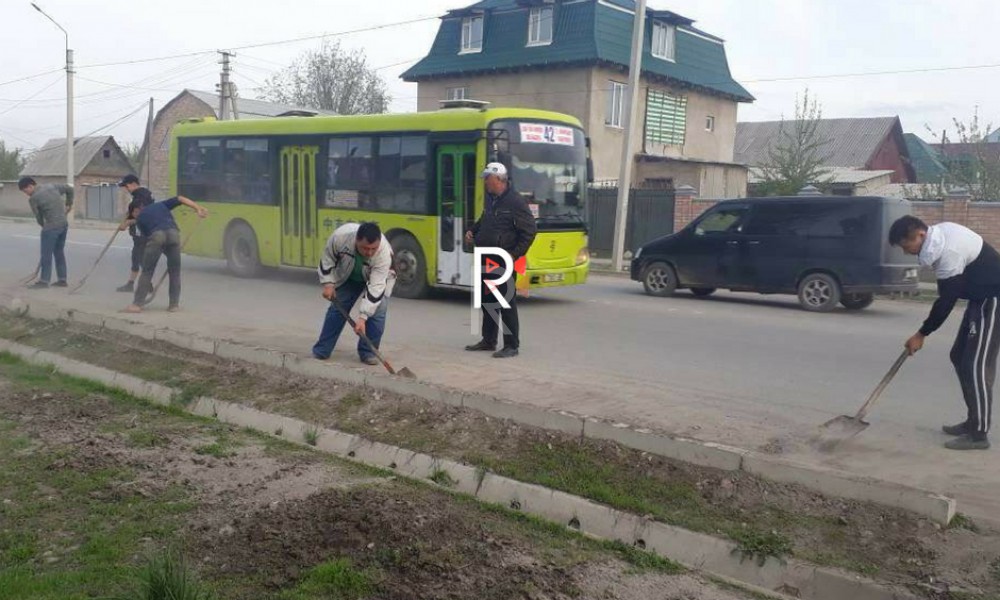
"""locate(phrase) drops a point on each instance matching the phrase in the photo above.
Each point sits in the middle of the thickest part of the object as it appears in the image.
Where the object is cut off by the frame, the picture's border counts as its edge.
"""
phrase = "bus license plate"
(911, 273)
(552, 278)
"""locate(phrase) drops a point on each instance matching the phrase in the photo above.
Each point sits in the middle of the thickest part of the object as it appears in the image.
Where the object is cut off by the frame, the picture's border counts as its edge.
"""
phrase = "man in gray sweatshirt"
(50, 208)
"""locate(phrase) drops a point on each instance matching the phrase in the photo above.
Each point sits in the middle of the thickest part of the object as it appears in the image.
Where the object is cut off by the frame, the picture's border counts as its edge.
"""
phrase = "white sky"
(766, 39)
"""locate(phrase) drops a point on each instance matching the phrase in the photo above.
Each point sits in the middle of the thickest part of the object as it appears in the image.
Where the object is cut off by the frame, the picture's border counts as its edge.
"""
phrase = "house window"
(616, 104)
(666, 118)
(472, 34)
(457, 93)
(540, 26)
(709, 123)
(663, 41)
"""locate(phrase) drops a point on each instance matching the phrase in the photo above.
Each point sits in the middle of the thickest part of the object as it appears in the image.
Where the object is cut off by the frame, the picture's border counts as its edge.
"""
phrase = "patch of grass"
(144, 438)
(641, 560)
(168, 577)
(17, 548)
(442, 478)
(350, 402)
(960, 521)
(311, 435)
(218, 450)
(336, 579)
(761, 545)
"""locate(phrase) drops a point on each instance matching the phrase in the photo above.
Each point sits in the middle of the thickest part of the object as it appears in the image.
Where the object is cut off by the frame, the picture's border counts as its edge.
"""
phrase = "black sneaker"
(128, 287)
(482, 346)
(506, 353)
(971, 441)
(39, 285)
(60, 284)
(960, 429)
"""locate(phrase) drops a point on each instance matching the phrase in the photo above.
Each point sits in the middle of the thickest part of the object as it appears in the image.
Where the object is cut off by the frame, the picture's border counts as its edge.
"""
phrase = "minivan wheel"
(857, 301)
(702, 292)
(818, 292)
(659, 279)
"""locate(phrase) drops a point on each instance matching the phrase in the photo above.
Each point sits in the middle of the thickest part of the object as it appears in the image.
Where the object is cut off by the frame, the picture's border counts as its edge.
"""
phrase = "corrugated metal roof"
(50, 159)
(256, 109)
(589, 32)
(835, 175)
(850, 142)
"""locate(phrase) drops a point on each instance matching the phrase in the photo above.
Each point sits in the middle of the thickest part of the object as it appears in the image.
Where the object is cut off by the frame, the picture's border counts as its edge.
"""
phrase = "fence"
(650, 215)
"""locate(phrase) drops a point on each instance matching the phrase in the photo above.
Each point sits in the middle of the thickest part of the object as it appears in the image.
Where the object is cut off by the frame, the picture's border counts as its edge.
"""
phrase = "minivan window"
(823, 219)
(721, 221)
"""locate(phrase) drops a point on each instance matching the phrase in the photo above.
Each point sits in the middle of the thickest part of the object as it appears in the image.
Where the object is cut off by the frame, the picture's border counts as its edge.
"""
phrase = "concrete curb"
(694, 550)
(935, 507)
(76, 224)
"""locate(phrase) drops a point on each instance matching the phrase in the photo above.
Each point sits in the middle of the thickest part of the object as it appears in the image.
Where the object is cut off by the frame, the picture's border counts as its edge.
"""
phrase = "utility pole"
(225, 89)
(625, 174)
(70, 171)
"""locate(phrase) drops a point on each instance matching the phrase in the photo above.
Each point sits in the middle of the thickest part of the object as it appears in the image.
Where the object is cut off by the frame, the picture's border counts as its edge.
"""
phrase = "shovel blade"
(405, 372)
(837, 430)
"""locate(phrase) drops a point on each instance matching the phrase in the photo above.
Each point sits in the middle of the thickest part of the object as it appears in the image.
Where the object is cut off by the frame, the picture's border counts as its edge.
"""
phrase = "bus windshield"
(548, 164)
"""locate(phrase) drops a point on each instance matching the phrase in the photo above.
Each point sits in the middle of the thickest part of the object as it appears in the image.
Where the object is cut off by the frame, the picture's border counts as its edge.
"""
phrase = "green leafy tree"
(975, 165)
(11, 162)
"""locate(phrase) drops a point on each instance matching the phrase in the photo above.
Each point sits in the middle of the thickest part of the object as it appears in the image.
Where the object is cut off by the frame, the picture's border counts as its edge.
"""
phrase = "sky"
(928, 54)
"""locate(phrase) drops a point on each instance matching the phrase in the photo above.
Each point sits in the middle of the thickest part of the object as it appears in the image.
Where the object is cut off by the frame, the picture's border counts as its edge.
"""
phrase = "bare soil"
(869, 539)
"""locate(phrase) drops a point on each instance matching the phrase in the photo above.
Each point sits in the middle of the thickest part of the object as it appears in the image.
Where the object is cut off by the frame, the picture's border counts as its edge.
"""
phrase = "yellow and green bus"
(277, 188)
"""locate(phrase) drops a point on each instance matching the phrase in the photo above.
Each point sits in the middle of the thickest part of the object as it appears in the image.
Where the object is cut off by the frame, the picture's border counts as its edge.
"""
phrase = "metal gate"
(102, 203)
(650, 215)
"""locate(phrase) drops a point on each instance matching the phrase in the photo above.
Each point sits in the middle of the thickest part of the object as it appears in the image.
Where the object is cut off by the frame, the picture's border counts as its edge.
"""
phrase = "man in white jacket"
(356, 263)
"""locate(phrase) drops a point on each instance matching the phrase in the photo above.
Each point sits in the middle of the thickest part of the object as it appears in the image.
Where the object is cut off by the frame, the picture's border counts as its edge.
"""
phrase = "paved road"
(750, 371)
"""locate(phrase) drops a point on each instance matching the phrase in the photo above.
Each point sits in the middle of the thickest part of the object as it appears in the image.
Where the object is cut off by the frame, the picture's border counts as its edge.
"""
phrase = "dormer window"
(664, 36)
(540, 26)
(472, 34)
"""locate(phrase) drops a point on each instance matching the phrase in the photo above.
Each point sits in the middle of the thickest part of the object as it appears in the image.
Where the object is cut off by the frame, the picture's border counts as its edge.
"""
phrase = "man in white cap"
(506, 223)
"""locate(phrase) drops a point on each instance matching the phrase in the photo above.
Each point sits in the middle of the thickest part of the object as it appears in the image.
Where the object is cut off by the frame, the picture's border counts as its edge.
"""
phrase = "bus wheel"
(411, 268)
(242, 253)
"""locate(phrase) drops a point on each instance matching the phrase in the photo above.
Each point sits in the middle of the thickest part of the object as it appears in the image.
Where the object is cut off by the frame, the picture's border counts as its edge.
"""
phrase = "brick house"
(192, 104)
(572, 57)
(867, 144)
(98, 161)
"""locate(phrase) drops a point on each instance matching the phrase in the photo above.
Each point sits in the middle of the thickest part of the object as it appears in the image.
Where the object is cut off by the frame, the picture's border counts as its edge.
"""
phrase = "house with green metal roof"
(925, 159)
(572, 56)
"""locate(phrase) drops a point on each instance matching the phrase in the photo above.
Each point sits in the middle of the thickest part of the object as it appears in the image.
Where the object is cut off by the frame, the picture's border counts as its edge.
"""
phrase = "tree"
(796, 159)
(975, 165)
(11, 162)
(330, 78)
(133, 152)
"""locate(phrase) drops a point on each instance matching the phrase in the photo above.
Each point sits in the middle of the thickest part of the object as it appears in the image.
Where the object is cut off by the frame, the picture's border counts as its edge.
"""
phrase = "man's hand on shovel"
(915, 343)
(360, 328)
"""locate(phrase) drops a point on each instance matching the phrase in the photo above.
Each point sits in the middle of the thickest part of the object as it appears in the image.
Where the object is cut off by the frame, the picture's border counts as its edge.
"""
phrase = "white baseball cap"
(494, 168)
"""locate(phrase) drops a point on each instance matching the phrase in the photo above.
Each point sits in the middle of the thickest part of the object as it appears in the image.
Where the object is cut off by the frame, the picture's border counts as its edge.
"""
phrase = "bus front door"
(457, 177)
(298, 206)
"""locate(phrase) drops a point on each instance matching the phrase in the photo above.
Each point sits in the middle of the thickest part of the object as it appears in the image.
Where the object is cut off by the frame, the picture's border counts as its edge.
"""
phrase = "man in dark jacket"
(506, 223)
(141, 198)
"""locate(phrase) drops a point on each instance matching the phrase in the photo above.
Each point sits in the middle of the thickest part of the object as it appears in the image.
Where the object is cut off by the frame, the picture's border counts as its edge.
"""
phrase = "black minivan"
(826, 249)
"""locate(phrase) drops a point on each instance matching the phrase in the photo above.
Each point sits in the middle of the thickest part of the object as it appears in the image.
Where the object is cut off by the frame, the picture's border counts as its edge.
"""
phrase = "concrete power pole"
(625, 175)
(225, 89)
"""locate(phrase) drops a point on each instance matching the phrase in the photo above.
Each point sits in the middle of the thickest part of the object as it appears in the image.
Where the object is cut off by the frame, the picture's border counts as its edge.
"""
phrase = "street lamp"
(69, 98)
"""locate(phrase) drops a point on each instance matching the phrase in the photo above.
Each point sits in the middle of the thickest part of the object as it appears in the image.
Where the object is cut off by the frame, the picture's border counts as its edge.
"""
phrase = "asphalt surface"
(747, 370)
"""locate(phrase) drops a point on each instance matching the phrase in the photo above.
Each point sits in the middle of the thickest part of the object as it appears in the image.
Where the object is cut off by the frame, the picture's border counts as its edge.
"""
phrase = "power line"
(146, 60)
(335, 34)
(7, 110)
(29, 77)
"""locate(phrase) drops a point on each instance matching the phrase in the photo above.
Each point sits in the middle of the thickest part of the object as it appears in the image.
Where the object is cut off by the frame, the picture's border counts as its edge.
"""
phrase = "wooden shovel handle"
(882, 385)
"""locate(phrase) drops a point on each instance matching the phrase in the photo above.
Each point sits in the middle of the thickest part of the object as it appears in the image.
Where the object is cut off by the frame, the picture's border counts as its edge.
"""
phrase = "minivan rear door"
(709, 254)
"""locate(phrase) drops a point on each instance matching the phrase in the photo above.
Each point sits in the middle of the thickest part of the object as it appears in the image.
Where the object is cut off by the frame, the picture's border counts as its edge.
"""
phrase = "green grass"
(761, 545)
(168, 577)
(960, 521)
(334, 580)
(442, 478)
(311, 435)
(217, 450)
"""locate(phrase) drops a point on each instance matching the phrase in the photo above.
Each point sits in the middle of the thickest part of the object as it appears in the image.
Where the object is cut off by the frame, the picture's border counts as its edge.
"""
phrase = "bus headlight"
(582, 256)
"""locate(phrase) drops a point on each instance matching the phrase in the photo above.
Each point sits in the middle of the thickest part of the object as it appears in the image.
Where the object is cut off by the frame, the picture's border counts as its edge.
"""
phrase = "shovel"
(845, 427)
(96, 262)
(404, 372)
(27, 280)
